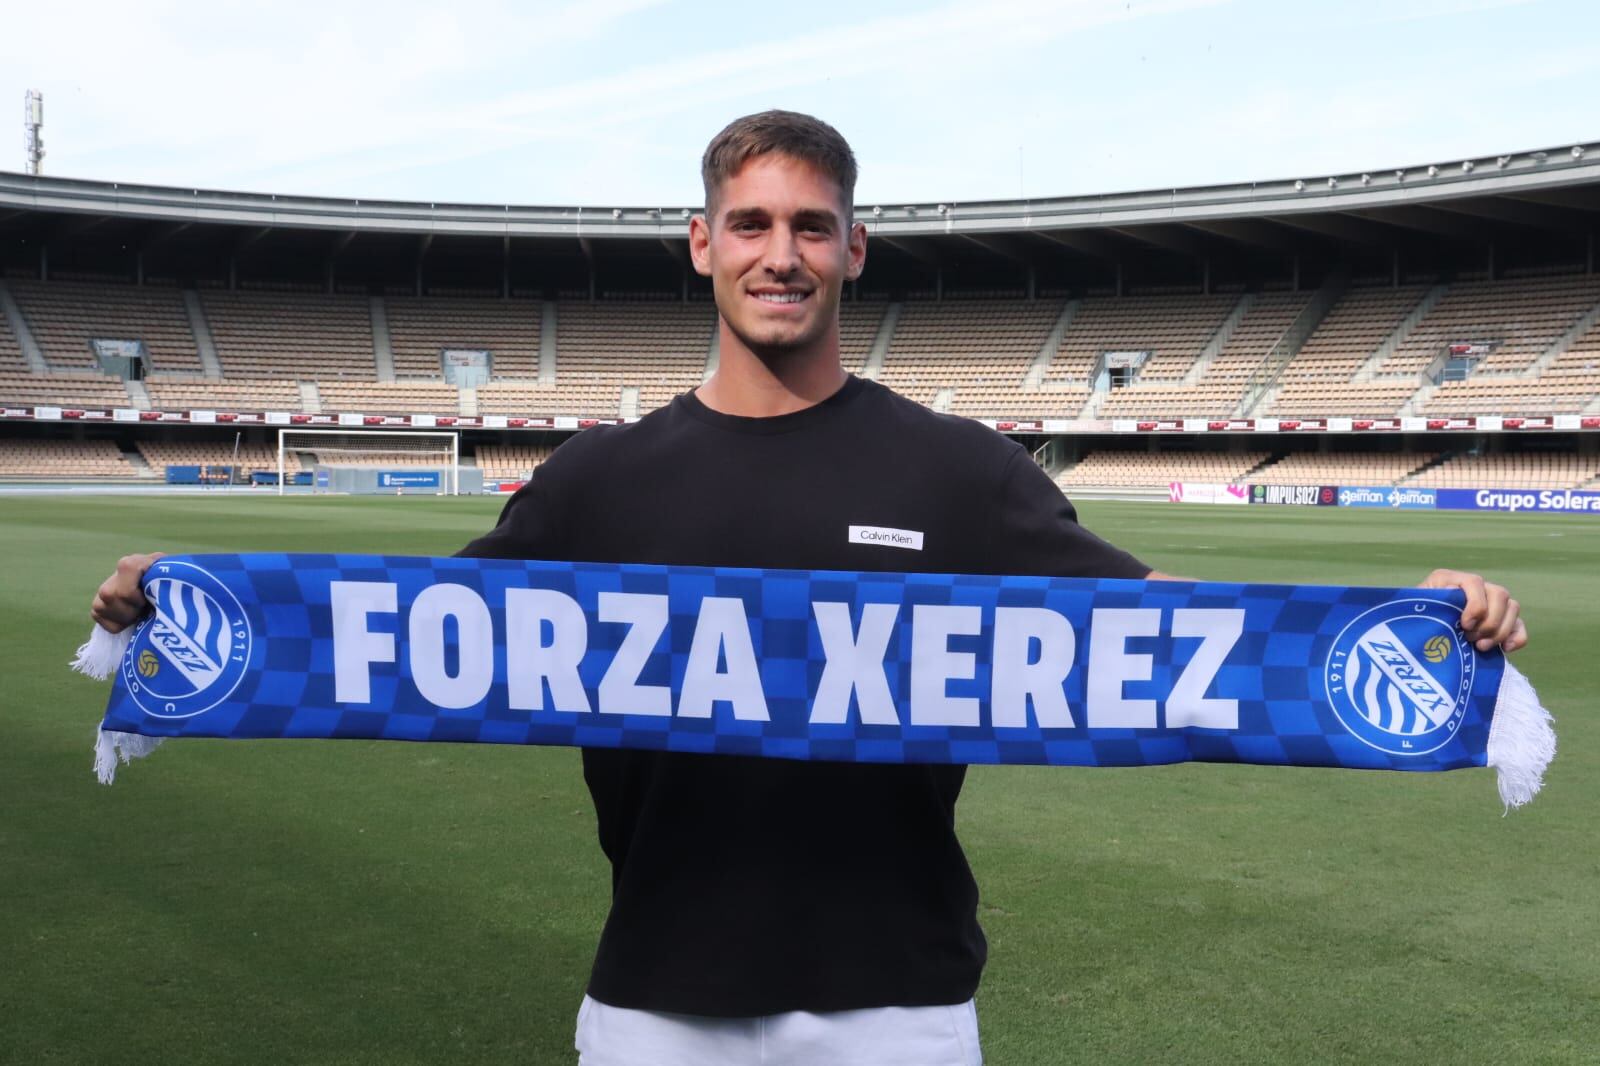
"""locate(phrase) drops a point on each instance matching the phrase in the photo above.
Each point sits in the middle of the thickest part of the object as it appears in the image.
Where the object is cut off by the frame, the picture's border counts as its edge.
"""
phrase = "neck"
(751, 384)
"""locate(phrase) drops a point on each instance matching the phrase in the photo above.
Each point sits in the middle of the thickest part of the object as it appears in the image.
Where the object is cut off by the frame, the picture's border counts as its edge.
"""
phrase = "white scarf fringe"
(98, 657)
(1522, 740)
(109, 747)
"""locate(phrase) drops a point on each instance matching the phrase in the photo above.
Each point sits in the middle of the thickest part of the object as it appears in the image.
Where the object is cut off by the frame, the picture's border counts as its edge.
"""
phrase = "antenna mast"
(32, 122)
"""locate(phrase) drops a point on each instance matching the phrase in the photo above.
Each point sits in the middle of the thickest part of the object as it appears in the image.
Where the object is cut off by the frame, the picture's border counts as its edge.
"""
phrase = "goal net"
(371, 461)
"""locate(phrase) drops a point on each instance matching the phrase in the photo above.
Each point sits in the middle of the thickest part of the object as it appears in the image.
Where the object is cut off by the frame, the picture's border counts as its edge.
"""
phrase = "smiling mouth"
(781, 297)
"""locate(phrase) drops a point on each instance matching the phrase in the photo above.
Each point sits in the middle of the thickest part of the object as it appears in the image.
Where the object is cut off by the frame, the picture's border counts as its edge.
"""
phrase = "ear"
(700, 245)
(857, 251)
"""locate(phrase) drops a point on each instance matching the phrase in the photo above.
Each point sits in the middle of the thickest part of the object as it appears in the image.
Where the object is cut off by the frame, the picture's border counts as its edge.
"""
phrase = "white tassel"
(99, 655)
(1522, 740)
(109, 747)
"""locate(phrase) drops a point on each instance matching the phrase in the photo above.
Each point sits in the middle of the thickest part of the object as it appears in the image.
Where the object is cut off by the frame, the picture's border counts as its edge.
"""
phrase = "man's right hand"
(120, 601)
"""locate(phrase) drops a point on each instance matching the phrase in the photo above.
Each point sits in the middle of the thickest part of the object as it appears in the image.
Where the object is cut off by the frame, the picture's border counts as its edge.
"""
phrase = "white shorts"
(880, 1036)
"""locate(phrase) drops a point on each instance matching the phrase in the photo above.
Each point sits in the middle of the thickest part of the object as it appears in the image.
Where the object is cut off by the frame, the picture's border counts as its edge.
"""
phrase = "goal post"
(400, 457)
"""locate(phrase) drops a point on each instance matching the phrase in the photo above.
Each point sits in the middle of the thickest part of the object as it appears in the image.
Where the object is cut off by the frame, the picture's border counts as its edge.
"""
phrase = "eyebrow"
(757, 214)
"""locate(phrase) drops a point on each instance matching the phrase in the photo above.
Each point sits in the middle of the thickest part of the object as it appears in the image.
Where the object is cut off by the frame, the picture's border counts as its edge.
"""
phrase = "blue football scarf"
(830, 665)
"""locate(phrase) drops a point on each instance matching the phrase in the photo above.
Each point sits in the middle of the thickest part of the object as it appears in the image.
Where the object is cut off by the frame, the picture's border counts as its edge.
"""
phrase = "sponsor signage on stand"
(1564, 501)
(408, 479)
(1193, 492)
(1295, 495)
(1390, 496)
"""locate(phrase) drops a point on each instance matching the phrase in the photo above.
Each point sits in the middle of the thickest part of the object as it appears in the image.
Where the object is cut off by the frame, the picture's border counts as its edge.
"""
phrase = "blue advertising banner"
(408, 479)
(1403, 499)
(1560, 501)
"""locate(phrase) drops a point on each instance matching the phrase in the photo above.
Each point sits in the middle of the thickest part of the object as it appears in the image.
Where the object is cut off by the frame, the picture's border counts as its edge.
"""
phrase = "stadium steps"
(1268, 397)
(1593, 407)
(310, 397)
(1097, 400)
(628, 407)
(205, 344)
(1219, 340)
(713, 354)
(1047, 351)
(141, 466)
(1418, 400)
(467, 402)
(547, 343)
(880, 342)
(1563, 342)
(31, 352)
(382, 346)
(1369, 369)
(1245, 477)
(942, 400)
(1261, 390)
(1438, 460)
(138, 395)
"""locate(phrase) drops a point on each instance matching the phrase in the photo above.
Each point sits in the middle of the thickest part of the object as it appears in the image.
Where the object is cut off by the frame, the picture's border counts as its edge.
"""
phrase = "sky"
(610, 102)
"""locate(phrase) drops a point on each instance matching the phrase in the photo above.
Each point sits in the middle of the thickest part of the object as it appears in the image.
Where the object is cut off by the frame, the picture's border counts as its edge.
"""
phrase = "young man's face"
(778, 251)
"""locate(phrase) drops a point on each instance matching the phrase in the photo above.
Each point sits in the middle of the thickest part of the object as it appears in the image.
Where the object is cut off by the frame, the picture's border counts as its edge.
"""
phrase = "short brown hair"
(787, 133)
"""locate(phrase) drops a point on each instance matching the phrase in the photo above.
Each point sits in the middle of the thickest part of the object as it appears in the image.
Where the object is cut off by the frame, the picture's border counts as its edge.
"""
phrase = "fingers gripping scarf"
(827, 665)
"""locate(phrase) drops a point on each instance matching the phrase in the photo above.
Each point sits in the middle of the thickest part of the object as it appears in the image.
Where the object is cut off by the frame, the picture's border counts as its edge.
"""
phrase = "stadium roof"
(1547, 196)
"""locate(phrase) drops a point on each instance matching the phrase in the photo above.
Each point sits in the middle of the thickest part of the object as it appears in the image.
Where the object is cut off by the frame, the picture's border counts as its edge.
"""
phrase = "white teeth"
(781, 297)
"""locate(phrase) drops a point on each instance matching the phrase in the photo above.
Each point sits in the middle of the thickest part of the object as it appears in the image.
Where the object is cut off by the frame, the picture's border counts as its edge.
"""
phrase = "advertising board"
(1559, 501)
(1295, 495)
(1201, 492)
(408, 479)
(1401, 499)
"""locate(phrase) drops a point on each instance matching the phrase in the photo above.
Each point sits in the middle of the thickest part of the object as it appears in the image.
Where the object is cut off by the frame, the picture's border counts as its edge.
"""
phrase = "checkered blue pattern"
(1276, 670)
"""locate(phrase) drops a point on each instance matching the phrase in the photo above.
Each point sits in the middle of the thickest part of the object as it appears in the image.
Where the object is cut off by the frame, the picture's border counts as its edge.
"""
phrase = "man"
(773, 911)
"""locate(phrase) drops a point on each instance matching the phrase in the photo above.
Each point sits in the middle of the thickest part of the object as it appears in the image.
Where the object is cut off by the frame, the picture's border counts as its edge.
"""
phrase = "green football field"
(322, 902)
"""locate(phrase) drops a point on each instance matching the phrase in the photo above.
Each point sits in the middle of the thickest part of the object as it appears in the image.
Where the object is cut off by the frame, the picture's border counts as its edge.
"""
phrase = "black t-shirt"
(745, 886)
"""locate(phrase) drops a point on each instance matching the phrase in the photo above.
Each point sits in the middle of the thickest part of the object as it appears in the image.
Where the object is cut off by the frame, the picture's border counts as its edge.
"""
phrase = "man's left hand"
(1491, 617)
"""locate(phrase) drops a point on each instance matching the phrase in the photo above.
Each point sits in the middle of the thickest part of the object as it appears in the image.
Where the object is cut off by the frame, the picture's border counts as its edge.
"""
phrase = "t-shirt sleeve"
(529, 527)
(1037, 531)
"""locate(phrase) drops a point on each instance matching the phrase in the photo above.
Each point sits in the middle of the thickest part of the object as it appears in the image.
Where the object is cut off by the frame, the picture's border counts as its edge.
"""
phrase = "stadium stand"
(249, 458)
(1522, 470)
(1552, 393)
(978, 349)
(245, 394)
(421, 327)
(11, 360)
(63, 459)
(64, 316)
(858, 328)
(1111, 468)
(390, 397)
(64, 390)
(523, 398)
(1220, 385)
(1318, 380)
(1336, 468)
(283, 350)
(309, 457)
(1174, 329)
(658, 348)
(1521, 318)
(298, 335)
(510, 461)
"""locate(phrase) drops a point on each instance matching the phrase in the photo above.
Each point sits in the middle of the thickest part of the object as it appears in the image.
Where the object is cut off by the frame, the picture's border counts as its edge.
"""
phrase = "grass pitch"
(390, 903)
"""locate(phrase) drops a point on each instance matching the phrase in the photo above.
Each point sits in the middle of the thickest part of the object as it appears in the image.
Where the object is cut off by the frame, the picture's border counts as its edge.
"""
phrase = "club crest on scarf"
(1399, 676)
(191, 652)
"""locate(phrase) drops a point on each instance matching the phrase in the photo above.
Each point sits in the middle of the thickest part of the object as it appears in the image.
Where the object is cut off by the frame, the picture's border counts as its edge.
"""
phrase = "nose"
(781, 257)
